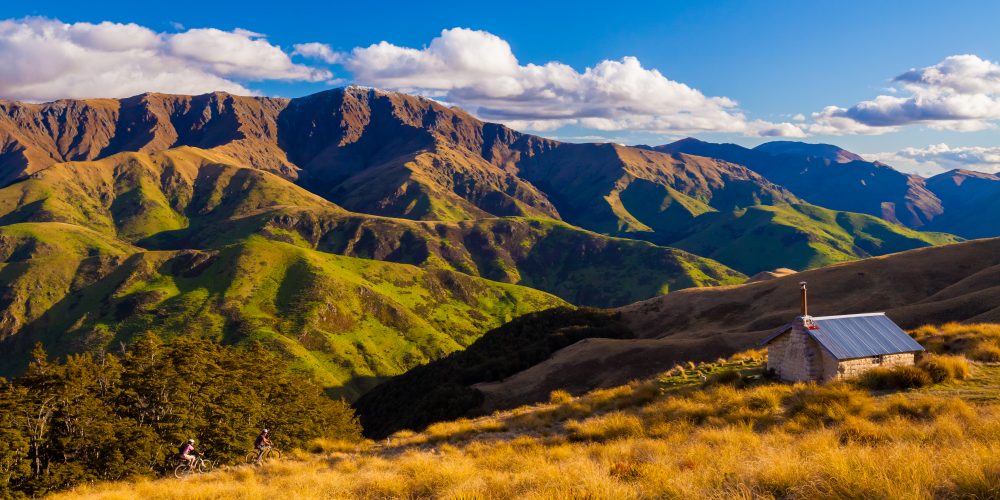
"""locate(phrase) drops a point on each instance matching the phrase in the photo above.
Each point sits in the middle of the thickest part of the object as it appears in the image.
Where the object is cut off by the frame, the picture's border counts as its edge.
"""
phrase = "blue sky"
(768, 61)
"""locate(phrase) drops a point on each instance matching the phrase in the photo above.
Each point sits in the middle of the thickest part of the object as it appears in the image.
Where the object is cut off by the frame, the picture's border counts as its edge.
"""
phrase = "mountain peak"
(830, 152)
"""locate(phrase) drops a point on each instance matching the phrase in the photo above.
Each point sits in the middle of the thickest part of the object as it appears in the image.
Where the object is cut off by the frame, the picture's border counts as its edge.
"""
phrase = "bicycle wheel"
(251, 458)
(181, 470)
(272, 454)
(205, 466)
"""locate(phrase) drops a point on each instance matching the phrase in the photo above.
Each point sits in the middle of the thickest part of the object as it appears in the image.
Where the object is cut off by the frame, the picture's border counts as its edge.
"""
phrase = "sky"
(915, 84)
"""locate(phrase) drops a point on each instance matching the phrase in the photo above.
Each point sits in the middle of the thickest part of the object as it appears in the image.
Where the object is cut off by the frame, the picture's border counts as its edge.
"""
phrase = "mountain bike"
(185, 469)
(257, 458)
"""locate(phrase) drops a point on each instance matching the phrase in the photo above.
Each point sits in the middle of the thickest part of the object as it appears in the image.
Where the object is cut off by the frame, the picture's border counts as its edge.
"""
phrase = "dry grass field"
(710, 430)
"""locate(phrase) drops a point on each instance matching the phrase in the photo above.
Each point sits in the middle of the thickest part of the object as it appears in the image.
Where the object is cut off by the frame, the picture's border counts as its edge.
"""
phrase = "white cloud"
(478, 71)
(319, 51)
(938, 158)
(45, 59)
(960, 93)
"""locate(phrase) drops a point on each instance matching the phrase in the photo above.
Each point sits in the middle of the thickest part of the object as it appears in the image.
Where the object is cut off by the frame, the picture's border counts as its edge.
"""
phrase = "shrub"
(943, 368)
(895, 378)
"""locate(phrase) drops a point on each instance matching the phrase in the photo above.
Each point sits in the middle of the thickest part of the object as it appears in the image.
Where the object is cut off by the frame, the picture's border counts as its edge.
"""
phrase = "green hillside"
(349, 321)
(799, 236)
(137, 195)
(580, 266)
(188, 198)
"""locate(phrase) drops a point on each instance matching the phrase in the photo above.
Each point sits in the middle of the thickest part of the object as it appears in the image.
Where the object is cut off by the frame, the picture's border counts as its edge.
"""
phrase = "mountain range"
(957, 201)
(362, 233)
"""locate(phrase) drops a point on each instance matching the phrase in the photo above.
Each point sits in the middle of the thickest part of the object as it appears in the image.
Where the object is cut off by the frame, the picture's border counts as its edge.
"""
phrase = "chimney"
(805, 302)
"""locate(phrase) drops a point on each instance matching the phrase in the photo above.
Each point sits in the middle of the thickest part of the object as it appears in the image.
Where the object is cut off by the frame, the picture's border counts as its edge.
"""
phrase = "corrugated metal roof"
(861, 335)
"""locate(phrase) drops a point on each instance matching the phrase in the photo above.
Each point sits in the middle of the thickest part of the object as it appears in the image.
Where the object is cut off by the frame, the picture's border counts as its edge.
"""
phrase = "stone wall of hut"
(853, 367)
(795, 356)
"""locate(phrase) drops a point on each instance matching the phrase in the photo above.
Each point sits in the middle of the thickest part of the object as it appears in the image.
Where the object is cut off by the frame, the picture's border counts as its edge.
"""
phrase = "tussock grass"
(675, 436)
(945, 368)
(895, 378)
(978, 342)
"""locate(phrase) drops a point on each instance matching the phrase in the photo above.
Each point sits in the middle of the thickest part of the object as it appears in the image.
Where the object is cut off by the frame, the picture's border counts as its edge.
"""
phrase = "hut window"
(878, 359)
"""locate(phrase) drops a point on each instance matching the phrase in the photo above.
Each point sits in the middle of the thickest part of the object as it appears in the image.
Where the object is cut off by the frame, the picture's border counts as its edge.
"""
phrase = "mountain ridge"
(829, 176)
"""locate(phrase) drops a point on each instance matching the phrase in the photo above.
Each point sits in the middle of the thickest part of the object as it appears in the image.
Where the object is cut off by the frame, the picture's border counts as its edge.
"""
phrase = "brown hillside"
(959, 282)
(36, 136)
(617, 189)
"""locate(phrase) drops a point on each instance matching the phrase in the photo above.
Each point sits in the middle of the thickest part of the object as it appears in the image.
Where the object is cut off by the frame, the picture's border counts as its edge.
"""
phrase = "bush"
(943, 368)
(895, 378)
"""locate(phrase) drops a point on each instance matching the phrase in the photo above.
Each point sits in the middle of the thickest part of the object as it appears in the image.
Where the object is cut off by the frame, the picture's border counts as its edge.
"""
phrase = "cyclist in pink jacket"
(188, 452)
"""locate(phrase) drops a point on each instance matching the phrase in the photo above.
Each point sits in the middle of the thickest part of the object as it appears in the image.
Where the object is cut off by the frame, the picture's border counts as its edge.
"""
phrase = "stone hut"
(825, 348)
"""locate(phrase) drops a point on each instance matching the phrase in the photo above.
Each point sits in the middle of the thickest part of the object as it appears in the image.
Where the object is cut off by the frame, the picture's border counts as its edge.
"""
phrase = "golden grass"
(729, 435)
(944, 368)
(978, 342)
(697, 440)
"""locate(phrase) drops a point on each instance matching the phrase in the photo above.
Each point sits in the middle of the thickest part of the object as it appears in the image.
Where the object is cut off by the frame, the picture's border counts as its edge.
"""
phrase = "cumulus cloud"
(319, 51)
(938, 158)
(961, 93)
(479, 71)
(45, 59)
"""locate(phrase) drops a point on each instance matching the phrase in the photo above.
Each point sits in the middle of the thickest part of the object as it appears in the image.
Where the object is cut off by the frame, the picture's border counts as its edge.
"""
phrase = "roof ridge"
(847, 316)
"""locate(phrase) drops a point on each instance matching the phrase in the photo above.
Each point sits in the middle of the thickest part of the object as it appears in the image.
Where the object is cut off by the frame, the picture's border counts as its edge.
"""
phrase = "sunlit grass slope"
(712, 430)
(582, 267)
(350, 321)
(799, 236)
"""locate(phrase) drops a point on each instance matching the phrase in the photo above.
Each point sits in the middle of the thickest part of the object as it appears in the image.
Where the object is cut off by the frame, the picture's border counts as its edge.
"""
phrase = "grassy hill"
(348, 321)
(580, 266)
(798, 236)
(189, 241)
(717, 429)
(946, 283)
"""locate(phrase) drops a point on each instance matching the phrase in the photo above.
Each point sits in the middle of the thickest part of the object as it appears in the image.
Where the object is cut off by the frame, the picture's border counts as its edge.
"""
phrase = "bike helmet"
(191, 441)
(265, 431)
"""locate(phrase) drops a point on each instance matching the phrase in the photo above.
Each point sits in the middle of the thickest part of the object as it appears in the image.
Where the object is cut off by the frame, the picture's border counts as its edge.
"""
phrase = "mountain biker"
(262, 443)
(187, 452)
